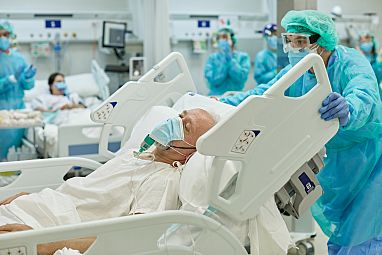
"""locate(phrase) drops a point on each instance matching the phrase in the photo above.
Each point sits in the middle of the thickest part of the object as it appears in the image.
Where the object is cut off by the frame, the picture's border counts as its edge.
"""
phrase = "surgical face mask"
(61, 86)
(5, 43)
(366, 47)
(272, 42)
(167, 131)
(224, 44)
(295, 57)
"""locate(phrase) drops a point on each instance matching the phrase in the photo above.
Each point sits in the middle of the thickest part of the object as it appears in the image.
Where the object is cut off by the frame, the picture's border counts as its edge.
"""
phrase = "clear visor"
(296, 42)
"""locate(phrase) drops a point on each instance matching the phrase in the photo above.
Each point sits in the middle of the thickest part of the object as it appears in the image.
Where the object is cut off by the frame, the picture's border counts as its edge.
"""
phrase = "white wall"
(355, 7)
(77, 57)
(64, 5)
(196, 62)
(215, 7)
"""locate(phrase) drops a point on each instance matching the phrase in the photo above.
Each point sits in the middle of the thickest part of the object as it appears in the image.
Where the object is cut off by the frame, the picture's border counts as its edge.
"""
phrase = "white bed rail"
(41, 173)
(118, 236)
(72, 137)
(101, 79)
(272, 136)
(129, 103)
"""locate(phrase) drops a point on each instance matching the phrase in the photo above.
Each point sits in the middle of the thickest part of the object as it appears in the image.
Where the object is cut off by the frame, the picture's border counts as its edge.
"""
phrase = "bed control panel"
(244, 141)
(14, 251)
(104, 112)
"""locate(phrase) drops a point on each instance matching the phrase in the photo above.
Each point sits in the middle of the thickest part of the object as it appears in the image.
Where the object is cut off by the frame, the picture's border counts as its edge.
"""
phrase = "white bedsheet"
(124, 185)
(54, 102)
(78, 117)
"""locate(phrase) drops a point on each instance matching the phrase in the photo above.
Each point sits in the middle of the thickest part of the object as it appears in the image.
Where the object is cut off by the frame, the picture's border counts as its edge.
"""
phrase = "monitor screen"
(113, 34)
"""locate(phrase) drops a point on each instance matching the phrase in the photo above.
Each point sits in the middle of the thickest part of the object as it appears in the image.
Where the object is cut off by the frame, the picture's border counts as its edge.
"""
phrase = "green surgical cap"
(229, 31)
(5, 25)
(312, 22)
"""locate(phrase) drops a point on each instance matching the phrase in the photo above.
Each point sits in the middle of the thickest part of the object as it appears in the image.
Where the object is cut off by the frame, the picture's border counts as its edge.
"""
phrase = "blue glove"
(30, 72)
(225, 48)
(335, 106)
(19, 72)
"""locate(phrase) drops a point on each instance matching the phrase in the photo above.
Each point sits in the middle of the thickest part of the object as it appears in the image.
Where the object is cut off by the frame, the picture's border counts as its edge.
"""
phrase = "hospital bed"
(275, 139)
(76, 134)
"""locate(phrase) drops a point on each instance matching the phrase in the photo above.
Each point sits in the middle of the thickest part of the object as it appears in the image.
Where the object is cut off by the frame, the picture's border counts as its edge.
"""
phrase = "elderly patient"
(125, 185)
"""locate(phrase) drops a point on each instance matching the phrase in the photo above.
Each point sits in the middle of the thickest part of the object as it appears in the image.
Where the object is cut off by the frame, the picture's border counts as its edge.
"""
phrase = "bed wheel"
(305, 248)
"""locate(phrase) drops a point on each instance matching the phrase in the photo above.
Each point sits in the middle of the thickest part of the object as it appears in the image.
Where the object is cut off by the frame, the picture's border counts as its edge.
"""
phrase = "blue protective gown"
(226, 75)
(377, 67)
(265, 66)
(350, 210)
(11, 96)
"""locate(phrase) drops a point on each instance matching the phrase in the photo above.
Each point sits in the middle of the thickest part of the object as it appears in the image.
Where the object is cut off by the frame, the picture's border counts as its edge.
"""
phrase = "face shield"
(294, 42)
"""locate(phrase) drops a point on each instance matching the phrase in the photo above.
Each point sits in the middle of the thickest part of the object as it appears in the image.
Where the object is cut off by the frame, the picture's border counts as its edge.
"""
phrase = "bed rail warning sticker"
(104, 112)
(244, 141)
(307, 183)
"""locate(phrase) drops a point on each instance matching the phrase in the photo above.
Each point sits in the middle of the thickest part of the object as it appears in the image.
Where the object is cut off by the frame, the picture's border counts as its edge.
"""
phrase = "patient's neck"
(168, 156)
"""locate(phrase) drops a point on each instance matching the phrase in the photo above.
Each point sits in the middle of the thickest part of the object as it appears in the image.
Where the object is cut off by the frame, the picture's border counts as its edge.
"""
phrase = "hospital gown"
(349, 211)
(49, 102)
(226, 75)
(12, 96)
(123, 186)
(265, 66)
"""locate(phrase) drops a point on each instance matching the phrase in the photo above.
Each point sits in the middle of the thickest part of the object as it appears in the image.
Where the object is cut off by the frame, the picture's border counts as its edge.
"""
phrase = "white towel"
(67, 251)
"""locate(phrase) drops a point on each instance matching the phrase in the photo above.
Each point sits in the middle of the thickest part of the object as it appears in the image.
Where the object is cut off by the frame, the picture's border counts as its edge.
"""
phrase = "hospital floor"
(320, 242)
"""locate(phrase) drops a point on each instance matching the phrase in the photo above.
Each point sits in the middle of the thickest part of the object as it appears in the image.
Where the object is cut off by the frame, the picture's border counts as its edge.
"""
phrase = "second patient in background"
(60, 98)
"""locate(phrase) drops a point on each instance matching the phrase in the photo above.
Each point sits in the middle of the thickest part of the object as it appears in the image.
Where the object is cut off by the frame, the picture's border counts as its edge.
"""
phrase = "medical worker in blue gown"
(15, 77)
(368, 46)
(266, 60)
(350, 210)
(227, 69)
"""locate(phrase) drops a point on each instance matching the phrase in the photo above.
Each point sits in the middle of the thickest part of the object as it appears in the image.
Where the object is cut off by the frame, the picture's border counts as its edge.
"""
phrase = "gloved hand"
(335, 106)
(30, 72)
(19, 72)
(225, 48)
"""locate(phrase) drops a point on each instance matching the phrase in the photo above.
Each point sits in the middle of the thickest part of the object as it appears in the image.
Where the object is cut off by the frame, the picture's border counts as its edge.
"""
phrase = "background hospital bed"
(288, 137)
(79, 137)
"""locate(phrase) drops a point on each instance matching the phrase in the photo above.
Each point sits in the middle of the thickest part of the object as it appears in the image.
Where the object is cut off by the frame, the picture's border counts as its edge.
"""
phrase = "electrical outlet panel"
(244, 141)
(14, 251)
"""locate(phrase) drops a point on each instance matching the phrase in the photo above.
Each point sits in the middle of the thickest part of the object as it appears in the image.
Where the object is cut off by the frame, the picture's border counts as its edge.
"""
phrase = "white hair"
(216, 117)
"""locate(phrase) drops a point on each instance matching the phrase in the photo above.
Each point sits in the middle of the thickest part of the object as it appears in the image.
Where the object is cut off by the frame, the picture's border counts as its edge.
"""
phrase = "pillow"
(193, 191)
(83, 84)
(40, 87)
(147, 122)
(192, 100)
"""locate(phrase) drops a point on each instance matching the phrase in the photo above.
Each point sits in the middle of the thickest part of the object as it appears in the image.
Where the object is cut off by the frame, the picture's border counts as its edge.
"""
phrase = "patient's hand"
(13, 228)
(10, 199)
(66, 107)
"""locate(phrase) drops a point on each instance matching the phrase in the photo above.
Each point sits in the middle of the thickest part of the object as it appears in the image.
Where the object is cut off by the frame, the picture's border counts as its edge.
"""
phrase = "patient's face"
(195, 123)
(56, 91)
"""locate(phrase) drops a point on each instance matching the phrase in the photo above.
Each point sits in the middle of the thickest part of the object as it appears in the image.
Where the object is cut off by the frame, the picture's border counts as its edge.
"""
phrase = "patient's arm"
(81, 244)
(10, 199)
(14, 228)
(72, 106)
